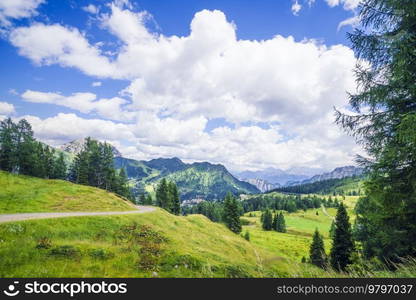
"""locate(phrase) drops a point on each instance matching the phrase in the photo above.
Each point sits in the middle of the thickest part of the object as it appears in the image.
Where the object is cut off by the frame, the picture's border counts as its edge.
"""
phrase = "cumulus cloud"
(6, 108)
(83, 102)
(17, 9)
(56, 44)
(347, 4)
(91, 8)
(296, 7)
(278, 93)
(96, 83)
(66, 127)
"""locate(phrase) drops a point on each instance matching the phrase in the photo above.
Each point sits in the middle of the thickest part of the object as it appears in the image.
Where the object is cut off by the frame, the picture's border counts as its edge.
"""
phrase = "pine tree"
(247, 236)
(342, 243)
(142, 199)
(176, 202)
(317, 250)
(59, 167)
(267, 220)
(8, 145)
(332, 230)
(274, 224)
(231, 213)
(281, 223)
(26, 149)
(149, 200)
(384, 122)
(163, 198)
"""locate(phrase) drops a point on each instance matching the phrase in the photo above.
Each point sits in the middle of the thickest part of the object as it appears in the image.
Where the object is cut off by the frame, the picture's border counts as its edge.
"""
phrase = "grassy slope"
(196, 247)
(20, 194)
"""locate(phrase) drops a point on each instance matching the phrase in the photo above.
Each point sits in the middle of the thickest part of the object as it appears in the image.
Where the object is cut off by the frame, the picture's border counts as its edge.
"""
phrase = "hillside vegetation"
(204, 180)
(190, 246)
(19, 194)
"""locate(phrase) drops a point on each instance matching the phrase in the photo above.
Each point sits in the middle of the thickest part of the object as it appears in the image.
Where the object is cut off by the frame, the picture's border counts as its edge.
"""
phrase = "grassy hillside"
(205, 180)
(95, 247)
(344, 186)
(20, 194)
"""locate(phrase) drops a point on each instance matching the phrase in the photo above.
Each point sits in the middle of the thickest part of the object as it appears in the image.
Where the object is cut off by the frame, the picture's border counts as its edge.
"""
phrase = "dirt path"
(31, 216)
(326, 213)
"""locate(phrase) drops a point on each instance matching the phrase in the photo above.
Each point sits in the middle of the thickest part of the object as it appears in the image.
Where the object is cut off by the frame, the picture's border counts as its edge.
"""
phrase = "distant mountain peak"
(337, 173)
(76, 147)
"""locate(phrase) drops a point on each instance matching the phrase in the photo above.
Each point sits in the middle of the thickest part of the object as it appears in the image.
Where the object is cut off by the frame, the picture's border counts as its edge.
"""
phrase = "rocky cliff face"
(261, 184)
(337, 173)
(77, 145)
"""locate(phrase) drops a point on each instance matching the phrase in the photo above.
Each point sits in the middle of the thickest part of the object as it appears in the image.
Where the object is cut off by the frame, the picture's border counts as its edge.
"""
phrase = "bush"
(44, 243)
(236, 272)
(100, 253)
(65, 251)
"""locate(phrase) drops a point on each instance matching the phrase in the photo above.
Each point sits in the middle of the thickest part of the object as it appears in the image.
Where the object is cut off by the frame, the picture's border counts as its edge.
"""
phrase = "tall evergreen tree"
(342, 243)
(163, 198)
(26, 148)
(267, 220)
(231, 213)
(384, 122)
(176, 202)
(281, 223)
(317, 250)
(8, 145)
(59, 167)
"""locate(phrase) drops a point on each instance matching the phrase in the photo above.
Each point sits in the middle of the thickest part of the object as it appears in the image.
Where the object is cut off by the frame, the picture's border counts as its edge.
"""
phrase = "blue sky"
(250, 84)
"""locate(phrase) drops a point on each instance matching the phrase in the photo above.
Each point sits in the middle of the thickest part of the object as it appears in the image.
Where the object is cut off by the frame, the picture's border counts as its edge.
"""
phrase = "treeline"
(94, 166)
(167, 196)
(227, 211)
(273, 221)
(20, 153)
(289, 203)
(343, 251)
(329, 186)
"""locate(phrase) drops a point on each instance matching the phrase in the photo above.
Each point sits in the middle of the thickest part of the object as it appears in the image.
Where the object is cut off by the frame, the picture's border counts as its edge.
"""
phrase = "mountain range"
(199, 180)
(207, 181)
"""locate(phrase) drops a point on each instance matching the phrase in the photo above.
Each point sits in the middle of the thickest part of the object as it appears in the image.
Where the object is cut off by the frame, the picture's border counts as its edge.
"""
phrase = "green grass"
(19, 194)
(295, 243)
(196, 247)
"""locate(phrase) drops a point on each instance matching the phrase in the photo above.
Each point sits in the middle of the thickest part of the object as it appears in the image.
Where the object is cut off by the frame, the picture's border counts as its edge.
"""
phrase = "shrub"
(44, 243)
(65, 251)
(100, 253)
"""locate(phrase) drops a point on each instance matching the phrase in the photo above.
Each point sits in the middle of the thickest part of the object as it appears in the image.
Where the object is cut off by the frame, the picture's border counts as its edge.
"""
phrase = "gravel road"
(30, 216)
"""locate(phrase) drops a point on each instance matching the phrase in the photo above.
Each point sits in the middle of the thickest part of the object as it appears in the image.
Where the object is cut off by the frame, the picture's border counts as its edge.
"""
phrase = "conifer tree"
(26, 149)
(247, 236)
(149, 200)
(281, 223)
(317, 250)
(8, 145)
(231, 213)
(163, 198)
(384, 122)
(267, 220)
(176, 202)
(342, 243)
(59, 167)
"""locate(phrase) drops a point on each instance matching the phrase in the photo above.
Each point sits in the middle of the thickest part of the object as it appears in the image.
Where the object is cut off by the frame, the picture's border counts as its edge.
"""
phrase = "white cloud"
(179, 83)
(91, 8)
(16, 9)
(96, 83)
(353, 21)
(66, 127)
(347, 4)
(6, 108)
(83, 102)
(296, 7)
(56, 44)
